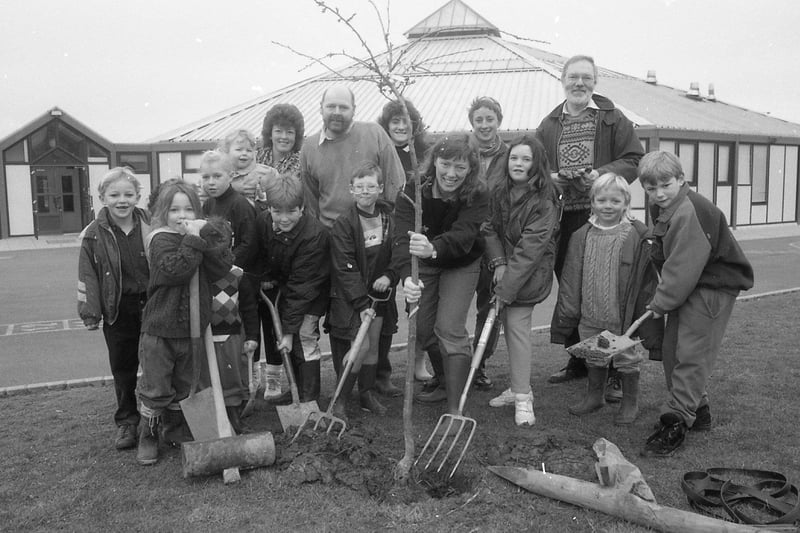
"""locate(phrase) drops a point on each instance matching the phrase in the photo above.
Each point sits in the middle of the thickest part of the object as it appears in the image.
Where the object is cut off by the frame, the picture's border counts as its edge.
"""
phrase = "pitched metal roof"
(446, 72)
(453, 18)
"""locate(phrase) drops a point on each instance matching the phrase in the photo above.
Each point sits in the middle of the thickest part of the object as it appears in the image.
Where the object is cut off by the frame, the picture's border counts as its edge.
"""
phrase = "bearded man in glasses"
(585, 137)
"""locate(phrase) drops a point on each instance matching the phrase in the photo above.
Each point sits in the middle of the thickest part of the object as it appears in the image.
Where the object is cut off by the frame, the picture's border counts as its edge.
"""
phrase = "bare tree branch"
(524, 38)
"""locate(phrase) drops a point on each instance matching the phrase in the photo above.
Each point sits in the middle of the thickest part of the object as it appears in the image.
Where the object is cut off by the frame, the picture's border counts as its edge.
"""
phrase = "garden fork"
(466, 425)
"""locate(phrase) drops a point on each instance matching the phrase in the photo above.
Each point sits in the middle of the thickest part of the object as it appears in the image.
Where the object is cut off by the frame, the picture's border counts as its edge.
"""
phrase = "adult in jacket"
(585, 137)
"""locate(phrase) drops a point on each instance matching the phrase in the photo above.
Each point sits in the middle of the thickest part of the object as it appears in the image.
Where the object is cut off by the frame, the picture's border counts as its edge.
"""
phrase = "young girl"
(521, 241)
(112, 285)
(179, 246)
(603, 287)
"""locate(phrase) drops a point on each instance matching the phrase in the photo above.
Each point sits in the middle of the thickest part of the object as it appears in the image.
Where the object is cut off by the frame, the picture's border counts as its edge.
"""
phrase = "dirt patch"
(358, 462)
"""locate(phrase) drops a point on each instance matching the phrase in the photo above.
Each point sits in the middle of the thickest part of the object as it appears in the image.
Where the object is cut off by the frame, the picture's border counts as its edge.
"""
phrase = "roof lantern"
(711, 94)
(455, 18)
(694, 90)
(651, 77)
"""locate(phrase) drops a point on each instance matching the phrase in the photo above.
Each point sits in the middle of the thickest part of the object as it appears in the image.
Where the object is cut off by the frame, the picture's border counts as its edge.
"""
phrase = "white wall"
(790, 185)
(20, 200)
(743, 205)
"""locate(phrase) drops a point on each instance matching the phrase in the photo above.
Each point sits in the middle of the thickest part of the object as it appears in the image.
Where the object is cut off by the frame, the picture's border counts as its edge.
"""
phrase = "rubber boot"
(233, 412)
(595, 390)
(340, 409)
(366, 391)
(383, 374)
(629, 407)
(456, 373)
(309, 381)
(174, 429)
(147, 450)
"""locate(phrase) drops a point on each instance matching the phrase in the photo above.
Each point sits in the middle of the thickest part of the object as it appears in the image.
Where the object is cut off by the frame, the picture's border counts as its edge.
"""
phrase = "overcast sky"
(135, 69)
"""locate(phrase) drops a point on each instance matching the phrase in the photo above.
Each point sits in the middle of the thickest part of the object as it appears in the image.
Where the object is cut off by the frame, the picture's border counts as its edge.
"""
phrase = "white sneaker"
(272, 381)
(506, 398)
(523, 409)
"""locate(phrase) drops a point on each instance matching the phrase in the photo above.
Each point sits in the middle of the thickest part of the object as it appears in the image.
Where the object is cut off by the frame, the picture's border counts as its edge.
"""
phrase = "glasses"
(585, 78)
(362, 188)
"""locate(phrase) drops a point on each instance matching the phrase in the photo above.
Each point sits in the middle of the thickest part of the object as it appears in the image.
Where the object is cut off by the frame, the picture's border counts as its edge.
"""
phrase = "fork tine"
(442, 439)
(473, 425)
(452, 444)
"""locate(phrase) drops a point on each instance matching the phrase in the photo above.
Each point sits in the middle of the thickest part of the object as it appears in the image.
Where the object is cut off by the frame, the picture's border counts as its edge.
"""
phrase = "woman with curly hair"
(281, 139)
(454, 205)
(393, 122)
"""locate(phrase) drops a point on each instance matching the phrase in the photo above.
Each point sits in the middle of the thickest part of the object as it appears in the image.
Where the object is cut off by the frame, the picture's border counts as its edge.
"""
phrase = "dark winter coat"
(174, 258)
(298, 263)
(100, 269)
(235, 208)
(350, 280)
(453, 227)
(695, 248)
(617, 149)
(524, 237)
(637, 284)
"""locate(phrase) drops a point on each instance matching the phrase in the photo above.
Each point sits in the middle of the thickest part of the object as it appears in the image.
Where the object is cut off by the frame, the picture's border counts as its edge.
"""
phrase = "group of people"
(325, 227)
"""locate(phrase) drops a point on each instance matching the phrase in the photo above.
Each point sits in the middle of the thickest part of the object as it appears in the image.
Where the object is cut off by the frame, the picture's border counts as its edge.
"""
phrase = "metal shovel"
(465, 423)
(295, 414)
(605, 344)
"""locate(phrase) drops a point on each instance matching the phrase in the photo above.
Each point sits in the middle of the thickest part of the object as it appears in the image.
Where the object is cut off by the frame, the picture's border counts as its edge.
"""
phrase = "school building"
(746, 162)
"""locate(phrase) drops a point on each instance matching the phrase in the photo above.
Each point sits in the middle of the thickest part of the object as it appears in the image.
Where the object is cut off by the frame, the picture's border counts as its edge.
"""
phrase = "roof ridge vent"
(694, 90)
(651, 77)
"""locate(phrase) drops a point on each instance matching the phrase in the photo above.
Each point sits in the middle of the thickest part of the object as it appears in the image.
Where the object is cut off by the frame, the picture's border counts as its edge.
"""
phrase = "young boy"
(294, 262)
(702, 271)
(247, 176)
(361, 252)
(216, 170)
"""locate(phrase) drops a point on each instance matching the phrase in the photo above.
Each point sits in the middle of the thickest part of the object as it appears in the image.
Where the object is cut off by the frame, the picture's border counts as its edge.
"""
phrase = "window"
(191, 162)
(724, 154)
(759, 194)
(139, 163)
(744, 164)
(15, 154)
(686, 153)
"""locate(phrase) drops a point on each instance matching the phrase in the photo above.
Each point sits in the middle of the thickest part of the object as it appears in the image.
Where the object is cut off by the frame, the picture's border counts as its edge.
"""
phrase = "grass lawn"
(60, 471)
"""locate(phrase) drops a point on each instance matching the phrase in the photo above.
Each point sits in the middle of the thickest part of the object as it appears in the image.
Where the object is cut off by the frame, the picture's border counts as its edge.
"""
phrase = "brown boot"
(147, 451)
(629, 407)
(595, 390)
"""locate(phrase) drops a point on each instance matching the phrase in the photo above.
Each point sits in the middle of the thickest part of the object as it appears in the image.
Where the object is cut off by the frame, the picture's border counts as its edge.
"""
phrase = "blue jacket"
(100, 269)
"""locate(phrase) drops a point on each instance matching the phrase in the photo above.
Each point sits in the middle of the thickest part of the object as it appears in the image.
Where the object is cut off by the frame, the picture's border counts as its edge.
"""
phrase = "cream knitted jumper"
(599, 294)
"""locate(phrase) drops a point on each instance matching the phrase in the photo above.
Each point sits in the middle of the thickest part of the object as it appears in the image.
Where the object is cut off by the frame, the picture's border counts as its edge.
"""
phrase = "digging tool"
(295, 414)
(615, 502)
(205, 413)
(605, 344)
(464, 422)
(253, 387)
(352, 365)
(198, 407)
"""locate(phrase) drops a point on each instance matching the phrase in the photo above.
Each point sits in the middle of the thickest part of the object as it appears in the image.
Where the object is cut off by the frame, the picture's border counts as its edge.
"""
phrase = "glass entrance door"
(56, 200)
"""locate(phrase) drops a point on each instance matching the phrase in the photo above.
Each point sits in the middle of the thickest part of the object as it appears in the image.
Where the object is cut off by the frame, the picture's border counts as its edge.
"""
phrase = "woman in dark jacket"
(449, 248)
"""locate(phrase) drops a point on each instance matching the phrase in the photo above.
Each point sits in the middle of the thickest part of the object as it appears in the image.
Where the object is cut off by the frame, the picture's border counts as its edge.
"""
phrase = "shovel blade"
(604, 345)
(198, 409)
(296, 414)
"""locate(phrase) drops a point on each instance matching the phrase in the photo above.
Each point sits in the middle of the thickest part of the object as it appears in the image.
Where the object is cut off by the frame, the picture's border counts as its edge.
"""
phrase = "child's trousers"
(166, 371)
(692, 340)
(517, 328)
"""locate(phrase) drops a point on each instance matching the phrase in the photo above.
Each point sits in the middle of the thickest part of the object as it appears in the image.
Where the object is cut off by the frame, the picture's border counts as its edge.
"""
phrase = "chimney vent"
(651, 77)
(711, 95)
(694, 90)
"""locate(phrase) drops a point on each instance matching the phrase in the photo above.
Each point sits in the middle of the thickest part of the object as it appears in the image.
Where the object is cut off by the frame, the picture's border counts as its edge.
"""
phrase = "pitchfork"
(352, 364)
(465, 423)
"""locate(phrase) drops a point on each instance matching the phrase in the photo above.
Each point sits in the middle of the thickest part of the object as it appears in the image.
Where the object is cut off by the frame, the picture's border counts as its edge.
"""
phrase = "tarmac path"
(42, 340)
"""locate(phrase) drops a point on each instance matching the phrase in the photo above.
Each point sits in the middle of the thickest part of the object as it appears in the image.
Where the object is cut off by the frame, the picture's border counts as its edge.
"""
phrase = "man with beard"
(585, 137)
(328, 160)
